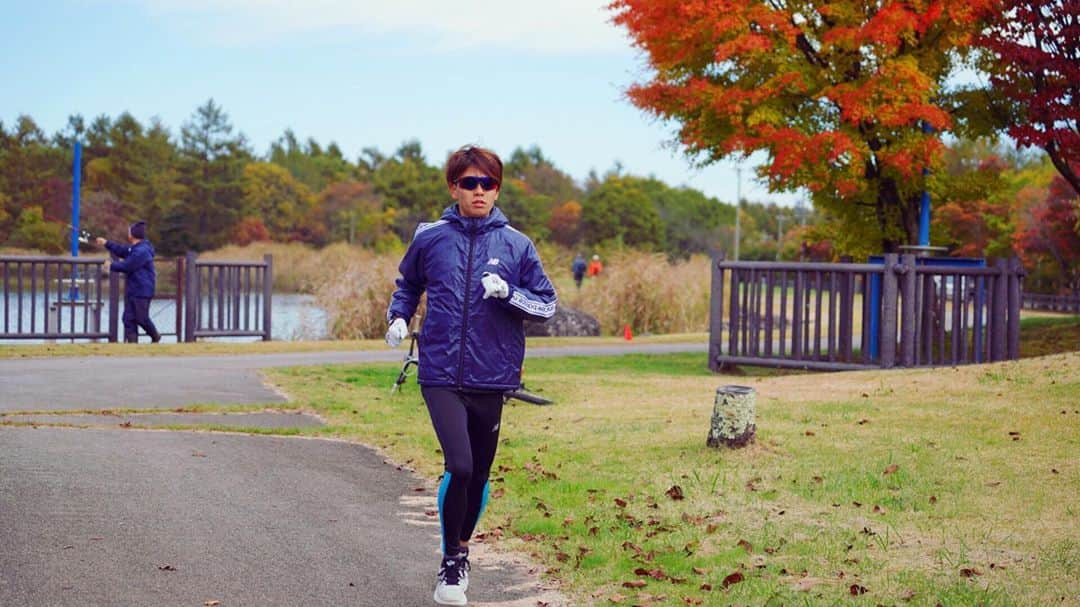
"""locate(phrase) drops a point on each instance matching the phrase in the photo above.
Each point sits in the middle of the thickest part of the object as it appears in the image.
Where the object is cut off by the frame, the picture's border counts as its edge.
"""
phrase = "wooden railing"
(1051, 303)
(228, 298)
(54, 298)
(863, 315)
(61, 298)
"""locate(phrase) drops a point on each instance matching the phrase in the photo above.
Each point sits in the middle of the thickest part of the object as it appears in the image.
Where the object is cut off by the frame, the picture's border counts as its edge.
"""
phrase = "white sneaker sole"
(443, 601)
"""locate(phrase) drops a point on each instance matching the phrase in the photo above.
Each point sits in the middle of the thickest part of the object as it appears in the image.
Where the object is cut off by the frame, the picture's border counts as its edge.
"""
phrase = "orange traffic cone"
(627, 333)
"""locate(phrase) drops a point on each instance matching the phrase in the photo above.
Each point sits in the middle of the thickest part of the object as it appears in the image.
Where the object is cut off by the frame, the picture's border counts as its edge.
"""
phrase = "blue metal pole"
(76, 171)
(924, 211)
(76, 186)
(924, 215)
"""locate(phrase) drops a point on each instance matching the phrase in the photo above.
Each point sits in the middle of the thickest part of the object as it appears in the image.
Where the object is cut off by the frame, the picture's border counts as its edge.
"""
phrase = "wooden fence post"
(1016, 273)
(179, 299)
(733, 315)
(716, 314)
(114, 307)
(191, 292)
(998, 321)
(887, 341)
(268, 293)
(908, 334)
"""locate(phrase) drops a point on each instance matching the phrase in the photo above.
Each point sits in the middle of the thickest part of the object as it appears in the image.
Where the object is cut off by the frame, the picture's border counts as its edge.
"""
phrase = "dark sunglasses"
(470, 183)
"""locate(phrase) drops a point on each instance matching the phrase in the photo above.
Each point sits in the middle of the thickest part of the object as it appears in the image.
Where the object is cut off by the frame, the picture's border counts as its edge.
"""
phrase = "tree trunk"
(733, 417)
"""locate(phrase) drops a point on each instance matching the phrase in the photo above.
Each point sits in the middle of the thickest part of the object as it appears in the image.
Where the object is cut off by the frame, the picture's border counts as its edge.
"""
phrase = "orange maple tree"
(837, 94)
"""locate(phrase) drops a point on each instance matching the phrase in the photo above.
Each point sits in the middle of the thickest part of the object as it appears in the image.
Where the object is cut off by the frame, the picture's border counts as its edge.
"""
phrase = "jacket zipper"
(468, 296)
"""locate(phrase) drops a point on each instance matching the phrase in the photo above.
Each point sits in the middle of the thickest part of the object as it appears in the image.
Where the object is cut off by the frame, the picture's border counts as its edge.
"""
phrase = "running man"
(482, 278)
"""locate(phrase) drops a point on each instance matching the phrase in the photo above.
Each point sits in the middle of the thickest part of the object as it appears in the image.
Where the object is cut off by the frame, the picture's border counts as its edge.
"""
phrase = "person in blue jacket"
(483, 278)
(136, 261)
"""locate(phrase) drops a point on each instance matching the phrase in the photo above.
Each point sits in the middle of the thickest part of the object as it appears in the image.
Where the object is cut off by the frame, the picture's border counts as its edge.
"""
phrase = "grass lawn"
(951, 486)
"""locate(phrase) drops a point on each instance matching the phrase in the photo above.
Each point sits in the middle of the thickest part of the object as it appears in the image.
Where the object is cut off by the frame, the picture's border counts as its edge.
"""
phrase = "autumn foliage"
(1035, 64)
(835, 94)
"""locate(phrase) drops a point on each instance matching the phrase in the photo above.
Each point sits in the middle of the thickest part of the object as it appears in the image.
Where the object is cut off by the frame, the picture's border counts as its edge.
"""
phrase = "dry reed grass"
(640, 289)
(647, 292)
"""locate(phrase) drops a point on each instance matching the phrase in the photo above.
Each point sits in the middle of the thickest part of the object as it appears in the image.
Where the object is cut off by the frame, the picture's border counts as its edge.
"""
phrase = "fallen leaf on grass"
(732, 579)
(691, 601)
(699, 570)
(805, 585)
(856, 590)
(891, 468)
(675, 492)
(969, 572)
(656, 574)
(616, 598)
(620, 502)
(745, 545)
(634, 584)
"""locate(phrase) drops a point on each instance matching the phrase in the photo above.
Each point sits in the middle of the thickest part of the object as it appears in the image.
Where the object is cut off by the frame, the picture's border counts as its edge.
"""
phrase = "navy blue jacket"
(137, 262)
(467, 341)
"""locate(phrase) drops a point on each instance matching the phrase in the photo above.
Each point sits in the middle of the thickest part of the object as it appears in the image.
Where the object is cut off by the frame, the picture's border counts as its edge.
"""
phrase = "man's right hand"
(397, 332)
(100, 241)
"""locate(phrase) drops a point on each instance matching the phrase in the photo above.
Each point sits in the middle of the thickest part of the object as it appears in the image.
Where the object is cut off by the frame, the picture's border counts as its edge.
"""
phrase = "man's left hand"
(494, 286)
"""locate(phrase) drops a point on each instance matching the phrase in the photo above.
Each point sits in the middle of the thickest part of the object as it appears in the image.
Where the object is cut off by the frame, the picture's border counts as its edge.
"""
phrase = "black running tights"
(467, 425)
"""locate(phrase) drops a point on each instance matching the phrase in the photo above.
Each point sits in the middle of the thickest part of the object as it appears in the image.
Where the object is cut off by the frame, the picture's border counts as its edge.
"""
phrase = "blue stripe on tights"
(483, 502)
(442, 498)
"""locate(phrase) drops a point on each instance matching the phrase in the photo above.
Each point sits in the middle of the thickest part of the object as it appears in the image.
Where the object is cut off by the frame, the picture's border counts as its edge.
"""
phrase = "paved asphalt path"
(112, 516)
(50, 384)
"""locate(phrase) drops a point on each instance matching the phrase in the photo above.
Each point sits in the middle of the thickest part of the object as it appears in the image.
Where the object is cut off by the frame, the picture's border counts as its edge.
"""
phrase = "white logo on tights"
(496, 428)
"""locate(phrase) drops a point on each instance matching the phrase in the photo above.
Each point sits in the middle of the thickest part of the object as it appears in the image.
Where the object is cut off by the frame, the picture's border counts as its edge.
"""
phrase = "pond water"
(294, 318)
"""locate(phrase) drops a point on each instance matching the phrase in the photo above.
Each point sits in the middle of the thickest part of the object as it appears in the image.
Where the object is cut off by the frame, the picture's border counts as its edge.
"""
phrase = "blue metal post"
(924, 211)
(76, 186)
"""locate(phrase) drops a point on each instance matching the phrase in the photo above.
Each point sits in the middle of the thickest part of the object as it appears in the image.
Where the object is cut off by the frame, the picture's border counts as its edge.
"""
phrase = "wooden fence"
(55, 298)
(228, 298)
(69, 298)
(842, 316)
(1051, 303)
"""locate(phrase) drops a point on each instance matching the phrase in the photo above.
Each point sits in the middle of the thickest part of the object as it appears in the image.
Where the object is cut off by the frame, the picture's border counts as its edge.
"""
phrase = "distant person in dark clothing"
(137, 263)
(578, 269)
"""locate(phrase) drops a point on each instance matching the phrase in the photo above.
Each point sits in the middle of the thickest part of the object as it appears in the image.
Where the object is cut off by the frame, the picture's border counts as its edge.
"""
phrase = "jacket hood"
(495, 219)
(146, 243)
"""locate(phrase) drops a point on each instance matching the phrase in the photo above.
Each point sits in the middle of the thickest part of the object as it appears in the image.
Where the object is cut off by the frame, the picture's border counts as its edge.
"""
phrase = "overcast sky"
(362, 73)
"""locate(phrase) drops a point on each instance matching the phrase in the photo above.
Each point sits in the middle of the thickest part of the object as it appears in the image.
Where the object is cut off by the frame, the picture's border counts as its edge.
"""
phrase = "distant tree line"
(208, 188)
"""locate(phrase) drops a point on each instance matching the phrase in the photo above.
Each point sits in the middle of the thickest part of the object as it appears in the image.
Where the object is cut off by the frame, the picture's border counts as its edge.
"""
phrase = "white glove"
(398, 331)
(494, 286)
